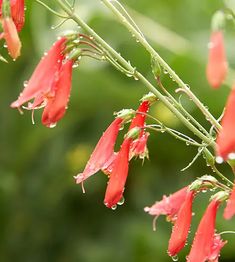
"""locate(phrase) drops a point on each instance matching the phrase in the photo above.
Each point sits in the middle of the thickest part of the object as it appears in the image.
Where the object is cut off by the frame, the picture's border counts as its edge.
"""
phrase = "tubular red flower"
(116, 184)
(40, 84)
(226, 139)
(168, 206)
(57, 104)
(103, 153)
(11, 36)
(217, 64)
(182, 225)
(138, 146)
(204, 237)
(17, 13)
(139, 119)
(229, 210)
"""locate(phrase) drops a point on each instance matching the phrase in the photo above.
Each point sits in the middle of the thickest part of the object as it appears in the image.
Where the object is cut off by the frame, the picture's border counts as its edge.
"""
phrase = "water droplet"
(219, 160)
(25, 84)
(175, 258)
(114, 207)
(165, 71)
(52, 125)
(231, 156)
(121, 201)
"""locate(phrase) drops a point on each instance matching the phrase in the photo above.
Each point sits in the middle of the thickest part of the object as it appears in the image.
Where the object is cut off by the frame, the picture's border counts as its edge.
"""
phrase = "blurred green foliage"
(44, 216)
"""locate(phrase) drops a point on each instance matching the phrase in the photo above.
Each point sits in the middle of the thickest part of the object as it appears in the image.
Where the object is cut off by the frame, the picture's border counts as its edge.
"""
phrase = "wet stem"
(110, 52)
(116, 57)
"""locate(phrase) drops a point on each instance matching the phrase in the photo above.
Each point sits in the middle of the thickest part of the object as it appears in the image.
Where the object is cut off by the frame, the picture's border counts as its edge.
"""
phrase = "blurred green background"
(44, 216)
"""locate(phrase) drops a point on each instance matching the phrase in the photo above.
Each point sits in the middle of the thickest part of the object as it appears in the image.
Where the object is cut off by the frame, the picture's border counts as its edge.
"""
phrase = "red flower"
(115, 188)
(204, 238)
(138, 146)
(182, 225)
(103, 153)
(49, 82)
(168, 206)
(17, 13)
(217, 245)
(226, 139)
(11, 36)
(12, 22)
(217, 64)
(229, 210)
(56, 105)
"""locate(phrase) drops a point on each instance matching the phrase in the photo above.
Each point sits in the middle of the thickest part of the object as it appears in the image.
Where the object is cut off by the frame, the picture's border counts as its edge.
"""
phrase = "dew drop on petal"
(52, 125)
(121, 201)
(114, 207)
(175, 258)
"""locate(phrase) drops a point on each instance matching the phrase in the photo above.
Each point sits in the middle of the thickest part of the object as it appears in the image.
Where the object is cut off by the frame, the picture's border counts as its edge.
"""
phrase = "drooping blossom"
(12, 20)
(204, 238)
(49, 85)
(217, 63)
(226, 139)
(169, 205)
(181, 226)
(139, 145)
(17, 8)
(117, 181)
(229, 210)
(103, 153)
(11, 36)
(216, 247)
(56, 104)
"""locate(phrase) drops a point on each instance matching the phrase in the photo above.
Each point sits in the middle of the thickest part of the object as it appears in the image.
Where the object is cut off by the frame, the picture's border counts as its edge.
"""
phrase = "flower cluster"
(12, 20)
(116, 164)
(178, 209)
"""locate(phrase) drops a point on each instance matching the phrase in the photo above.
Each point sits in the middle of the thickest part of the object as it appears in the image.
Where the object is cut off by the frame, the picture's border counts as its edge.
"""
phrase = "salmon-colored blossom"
(116, 184)
(217, 63)
(229, 210)
(182, 225)
(17, 13)
(226, 139)
(169, 205)
(204, 238)
(12, 23)
(11, 36)
(103, 153)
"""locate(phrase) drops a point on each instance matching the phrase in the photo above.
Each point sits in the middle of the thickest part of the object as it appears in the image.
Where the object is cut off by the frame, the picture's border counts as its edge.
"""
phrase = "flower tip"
(15, 104)
(146, 209)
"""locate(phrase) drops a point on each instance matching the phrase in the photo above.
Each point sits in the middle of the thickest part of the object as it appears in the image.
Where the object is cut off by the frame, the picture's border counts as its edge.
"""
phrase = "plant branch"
(122, 19)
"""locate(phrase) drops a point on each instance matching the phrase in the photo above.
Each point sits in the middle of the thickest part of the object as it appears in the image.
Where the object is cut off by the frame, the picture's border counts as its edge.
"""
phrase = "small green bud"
(210, 159)
(156, 68)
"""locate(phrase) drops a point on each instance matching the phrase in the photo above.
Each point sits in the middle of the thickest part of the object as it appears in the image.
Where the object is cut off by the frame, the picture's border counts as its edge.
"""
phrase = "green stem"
(186, 113)
(162, 62)
(136, 74)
